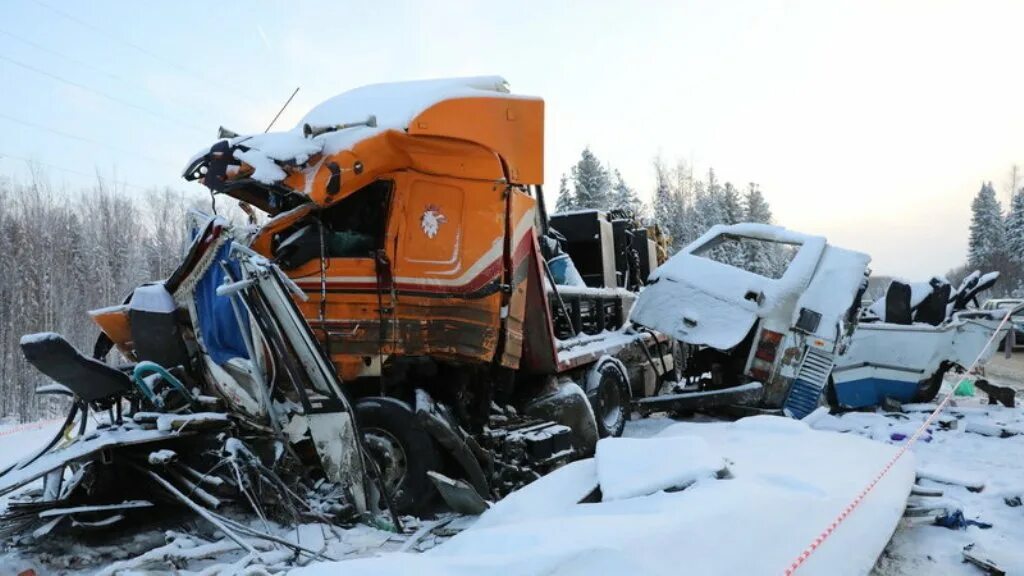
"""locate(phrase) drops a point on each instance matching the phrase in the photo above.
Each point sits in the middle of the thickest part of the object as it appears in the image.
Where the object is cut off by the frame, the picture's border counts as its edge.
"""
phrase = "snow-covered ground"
(785, 483)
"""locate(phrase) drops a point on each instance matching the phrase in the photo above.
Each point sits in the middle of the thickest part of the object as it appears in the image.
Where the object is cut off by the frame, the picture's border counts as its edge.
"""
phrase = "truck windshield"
(768, 258)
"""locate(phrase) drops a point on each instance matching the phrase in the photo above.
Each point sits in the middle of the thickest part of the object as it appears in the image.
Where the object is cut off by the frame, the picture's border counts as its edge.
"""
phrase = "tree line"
(996, 241)
(62, 254)
(683, 206)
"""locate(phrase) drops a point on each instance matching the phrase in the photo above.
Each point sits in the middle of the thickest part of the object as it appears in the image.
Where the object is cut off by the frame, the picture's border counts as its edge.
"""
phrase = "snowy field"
(715, 497)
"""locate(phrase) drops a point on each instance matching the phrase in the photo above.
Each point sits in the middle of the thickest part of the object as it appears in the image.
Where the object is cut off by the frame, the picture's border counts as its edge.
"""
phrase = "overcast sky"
(872, 123)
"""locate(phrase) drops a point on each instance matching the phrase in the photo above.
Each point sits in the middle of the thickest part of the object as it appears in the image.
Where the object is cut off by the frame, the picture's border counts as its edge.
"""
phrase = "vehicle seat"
(154, 328)
(932, 310)
(90, 380)
(897, 303)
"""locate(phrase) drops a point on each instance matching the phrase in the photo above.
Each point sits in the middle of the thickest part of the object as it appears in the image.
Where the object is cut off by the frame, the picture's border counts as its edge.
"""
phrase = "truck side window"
(355, 226)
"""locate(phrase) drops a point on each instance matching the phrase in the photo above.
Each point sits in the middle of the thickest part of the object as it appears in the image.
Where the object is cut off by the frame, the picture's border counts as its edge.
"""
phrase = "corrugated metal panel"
(810, 381)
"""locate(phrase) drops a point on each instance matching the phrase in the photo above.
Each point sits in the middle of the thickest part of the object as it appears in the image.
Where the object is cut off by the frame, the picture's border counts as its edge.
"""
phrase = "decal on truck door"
(431, 220)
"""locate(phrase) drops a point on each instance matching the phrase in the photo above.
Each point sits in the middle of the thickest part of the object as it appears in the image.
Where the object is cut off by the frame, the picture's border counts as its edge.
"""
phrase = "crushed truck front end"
(758, 303)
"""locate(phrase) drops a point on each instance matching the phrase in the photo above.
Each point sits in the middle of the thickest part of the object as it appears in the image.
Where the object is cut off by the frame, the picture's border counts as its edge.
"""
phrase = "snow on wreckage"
(344, 358)
(741, 326)
(401, 328)
(908, 339)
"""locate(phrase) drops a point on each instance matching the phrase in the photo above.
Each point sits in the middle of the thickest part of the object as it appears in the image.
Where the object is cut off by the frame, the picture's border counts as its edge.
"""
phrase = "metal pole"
(1008, 342)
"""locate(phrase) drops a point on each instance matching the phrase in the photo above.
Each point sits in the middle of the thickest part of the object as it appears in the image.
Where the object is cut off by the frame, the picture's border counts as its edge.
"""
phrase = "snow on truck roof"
(380, 108)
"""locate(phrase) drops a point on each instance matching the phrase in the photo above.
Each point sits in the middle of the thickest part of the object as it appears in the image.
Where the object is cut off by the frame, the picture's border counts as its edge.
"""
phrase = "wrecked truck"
(225, 399)
(411, 217)
(762, 313)
(389, 330)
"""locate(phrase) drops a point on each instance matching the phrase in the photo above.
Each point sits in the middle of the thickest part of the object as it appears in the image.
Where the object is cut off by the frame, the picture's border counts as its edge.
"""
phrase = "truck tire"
(403, 451)
(608, 393)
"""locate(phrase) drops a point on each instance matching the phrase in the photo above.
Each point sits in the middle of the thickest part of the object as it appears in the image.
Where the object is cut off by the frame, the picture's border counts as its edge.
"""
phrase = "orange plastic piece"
(114, 323)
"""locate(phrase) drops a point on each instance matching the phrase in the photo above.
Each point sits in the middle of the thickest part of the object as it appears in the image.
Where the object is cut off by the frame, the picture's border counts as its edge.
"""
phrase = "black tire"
(608, 393)
(403, 451)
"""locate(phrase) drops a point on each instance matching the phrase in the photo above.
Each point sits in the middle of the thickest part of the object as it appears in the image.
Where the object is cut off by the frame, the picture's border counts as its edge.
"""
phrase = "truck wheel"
(608, 393)
(403, 451)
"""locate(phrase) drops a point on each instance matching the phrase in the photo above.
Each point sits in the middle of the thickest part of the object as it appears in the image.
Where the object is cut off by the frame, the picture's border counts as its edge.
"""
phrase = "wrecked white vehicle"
(910, 338)
(766, 334)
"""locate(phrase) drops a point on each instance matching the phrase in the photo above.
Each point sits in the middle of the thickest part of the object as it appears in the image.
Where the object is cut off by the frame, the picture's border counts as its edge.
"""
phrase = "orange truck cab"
(408, 214)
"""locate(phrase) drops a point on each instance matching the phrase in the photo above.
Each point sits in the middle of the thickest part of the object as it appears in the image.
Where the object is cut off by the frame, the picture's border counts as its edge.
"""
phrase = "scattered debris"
(998, 394)
(988, 428)
(973, 484)
(956, 521)
(974, 555)
(918, 490)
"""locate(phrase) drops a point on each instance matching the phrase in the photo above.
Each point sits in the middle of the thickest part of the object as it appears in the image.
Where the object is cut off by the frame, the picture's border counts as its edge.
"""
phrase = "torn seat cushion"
(932, 310)
(91, 380)
(897, 303)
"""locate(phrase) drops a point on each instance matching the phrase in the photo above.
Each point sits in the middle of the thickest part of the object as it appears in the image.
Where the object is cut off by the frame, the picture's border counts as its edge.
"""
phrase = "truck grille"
(810, 381)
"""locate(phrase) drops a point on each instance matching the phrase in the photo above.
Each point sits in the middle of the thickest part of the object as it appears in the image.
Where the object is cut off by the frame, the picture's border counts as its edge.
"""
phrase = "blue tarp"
(217, 324)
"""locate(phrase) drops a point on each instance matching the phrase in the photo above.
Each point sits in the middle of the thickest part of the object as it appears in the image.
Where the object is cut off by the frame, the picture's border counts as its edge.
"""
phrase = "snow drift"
(787, 483)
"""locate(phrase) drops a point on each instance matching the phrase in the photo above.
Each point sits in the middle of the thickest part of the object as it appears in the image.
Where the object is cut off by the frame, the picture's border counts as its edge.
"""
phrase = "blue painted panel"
(870, 391)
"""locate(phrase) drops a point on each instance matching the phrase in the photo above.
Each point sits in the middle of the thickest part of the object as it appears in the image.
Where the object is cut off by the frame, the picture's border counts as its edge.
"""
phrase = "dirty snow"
(727, 526)
(788, 481)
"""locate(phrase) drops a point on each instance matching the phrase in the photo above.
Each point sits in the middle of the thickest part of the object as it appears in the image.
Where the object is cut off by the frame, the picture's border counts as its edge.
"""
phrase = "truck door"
(448, 265)
(519, 242)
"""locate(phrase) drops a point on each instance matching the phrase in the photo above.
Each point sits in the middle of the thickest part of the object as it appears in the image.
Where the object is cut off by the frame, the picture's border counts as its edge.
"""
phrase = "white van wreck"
(760, 311)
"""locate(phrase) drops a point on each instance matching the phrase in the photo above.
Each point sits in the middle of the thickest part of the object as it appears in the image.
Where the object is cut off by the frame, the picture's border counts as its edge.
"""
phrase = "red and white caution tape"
(821, 538)
(30, 426)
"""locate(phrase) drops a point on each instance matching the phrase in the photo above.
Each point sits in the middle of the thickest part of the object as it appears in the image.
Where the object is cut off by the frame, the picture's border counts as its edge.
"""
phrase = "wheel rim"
(609, 401)
(388, 453)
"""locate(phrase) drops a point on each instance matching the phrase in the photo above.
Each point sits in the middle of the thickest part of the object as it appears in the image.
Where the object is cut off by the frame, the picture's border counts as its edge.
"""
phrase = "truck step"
(749, 393)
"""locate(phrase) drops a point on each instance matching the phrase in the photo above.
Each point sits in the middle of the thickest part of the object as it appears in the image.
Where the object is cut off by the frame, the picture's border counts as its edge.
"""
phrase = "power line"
(82, 139)
(176, 101)
(139, 48)
(29, 162)
(120, 101)
(53, 52)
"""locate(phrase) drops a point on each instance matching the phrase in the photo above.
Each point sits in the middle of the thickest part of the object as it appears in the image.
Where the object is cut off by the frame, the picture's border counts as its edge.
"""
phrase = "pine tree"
(986, 242)
(566, 200)
(759, 257)
(591, 185)
(1015, 228)
(732, 205)
(624, 198)
(668, 209)
(755, 207)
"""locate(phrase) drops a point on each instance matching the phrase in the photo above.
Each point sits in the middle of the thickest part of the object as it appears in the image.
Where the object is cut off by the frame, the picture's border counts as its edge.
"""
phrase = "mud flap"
(459, 445)
(333, 435)
(459, 495)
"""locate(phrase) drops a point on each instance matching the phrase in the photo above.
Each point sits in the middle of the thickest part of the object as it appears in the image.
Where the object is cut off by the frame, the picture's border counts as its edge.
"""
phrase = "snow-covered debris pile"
(626, 470)
(787, 483)
(967, 477)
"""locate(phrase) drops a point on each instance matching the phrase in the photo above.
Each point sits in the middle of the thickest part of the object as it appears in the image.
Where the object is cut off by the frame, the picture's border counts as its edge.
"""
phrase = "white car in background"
(1017, 319)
